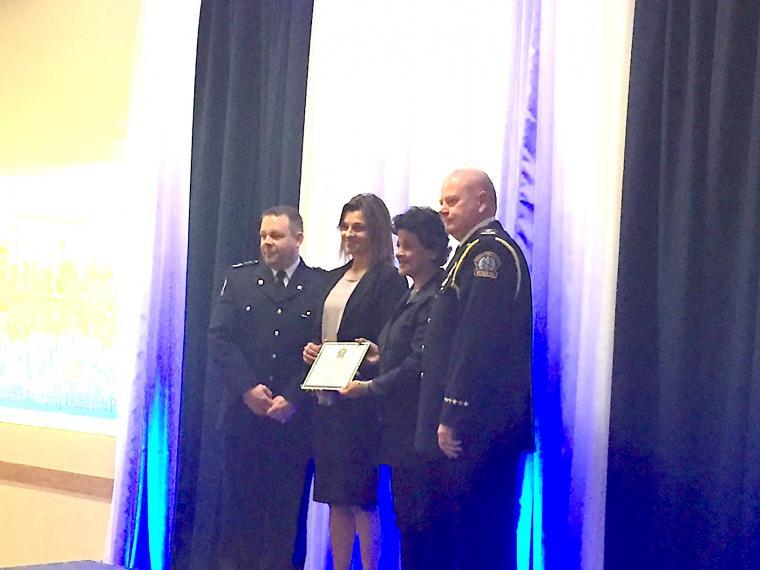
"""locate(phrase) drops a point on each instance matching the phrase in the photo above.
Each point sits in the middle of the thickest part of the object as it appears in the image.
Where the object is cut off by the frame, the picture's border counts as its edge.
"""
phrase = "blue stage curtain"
(684, 460)
(250, 92)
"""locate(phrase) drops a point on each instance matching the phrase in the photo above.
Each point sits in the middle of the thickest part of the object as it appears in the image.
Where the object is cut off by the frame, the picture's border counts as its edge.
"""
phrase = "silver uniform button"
(260, 282)
(299, 286)
(276, 333)
(279, 310)
(247, 307)
(274, 355)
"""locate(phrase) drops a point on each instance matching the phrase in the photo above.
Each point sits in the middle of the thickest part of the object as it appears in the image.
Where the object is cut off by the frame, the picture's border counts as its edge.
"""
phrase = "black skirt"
(346, 439)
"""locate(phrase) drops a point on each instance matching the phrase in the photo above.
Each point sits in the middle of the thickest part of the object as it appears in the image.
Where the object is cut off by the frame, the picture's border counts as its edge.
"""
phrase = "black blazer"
(397, 386)
(370, 305)
(347, 433)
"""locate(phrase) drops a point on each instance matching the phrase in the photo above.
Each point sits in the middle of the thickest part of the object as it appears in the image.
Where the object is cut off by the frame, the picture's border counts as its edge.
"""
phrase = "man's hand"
(373, 352)
(355, 389)
(310, 352)
(448, 442)
(281, 410)
(258, 399)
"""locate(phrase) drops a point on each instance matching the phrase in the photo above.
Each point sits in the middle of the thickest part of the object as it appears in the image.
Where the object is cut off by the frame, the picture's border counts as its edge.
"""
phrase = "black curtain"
(684, 459)
(250, 94)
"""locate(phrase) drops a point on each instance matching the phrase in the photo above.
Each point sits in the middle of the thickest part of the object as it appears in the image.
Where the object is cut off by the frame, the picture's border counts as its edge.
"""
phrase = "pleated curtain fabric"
(250, 92)
(684, 457)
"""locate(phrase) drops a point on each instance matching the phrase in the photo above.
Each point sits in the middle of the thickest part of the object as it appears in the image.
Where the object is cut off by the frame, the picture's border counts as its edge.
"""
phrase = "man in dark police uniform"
(475, 402)
(259, 325)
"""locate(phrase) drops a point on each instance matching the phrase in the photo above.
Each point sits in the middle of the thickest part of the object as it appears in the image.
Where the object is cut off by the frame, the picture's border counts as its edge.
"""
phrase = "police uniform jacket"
(258, 329)
(256, 335)
(477, 358)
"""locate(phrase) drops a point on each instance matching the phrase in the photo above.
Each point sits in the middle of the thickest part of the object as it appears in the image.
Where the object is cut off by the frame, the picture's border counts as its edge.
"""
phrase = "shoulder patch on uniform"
(245, 263)
(487, 265)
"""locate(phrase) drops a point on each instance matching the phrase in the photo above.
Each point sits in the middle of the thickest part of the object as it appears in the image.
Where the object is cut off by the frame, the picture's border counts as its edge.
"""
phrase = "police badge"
(487, 264)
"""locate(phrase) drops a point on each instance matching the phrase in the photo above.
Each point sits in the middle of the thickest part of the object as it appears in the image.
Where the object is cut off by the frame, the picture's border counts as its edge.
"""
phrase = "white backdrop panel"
(400, 93)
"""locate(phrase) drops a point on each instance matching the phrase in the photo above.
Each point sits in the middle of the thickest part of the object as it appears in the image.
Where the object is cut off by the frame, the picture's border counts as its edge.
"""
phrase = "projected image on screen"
(69, 294)
(59, 308)
(56, 323)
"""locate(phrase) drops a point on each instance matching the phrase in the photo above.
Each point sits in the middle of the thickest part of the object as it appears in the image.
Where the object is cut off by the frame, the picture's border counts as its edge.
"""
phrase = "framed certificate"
(335, 366)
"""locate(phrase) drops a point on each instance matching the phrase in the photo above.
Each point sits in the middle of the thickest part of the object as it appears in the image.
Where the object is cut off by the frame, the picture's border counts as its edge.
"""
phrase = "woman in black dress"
(358, 301)
(395, 384)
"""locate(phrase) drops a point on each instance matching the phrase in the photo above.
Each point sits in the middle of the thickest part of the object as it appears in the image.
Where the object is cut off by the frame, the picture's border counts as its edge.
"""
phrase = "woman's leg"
(342, 532)
(368, 525)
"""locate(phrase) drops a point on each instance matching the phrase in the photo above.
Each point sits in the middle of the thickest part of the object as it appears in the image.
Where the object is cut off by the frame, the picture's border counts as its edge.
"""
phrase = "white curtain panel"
(154, 213)
(582, 100)
(399, 93)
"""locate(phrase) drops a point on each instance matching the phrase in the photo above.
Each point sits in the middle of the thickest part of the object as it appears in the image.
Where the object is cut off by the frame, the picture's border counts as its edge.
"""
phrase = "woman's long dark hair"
(377, 219)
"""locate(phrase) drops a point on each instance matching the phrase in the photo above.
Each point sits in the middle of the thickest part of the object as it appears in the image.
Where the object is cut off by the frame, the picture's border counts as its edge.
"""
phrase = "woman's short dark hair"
(377, 220)
(426, 224)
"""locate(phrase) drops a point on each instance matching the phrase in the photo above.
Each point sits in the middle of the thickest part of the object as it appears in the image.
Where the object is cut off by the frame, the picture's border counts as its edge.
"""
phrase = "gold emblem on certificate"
(335, 366)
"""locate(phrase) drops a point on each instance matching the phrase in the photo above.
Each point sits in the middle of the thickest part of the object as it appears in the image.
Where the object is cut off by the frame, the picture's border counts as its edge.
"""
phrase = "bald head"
(467, 198)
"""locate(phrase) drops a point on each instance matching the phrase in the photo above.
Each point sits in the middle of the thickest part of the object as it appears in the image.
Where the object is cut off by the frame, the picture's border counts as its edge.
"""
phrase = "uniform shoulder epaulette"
(245, 263)
(487, 263)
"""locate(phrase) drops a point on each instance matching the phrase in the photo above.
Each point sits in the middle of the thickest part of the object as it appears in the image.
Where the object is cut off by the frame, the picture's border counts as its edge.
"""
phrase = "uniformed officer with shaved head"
(475, 418)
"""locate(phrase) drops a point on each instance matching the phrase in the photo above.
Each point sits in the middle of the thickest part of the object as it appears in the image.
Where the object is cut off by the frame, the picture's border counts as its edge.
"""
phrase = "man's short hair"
(295, 221)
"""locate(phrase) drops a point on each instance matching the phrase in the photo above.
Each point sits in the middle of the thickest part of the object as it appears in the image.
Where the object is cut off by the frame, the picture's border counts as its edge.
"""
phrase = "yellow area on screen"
(65, 72)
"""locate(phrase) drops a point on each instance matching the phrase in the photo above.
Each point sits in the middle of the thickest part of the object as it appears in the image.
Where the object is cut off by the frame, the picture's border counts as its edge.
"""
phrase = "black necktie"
(279, 278)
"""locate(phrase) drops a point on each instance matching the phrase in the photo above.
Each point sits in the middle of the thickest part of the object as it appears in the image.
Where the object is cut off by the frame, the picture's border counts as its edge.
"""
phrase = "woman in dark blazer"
(395, 384)
(358, 301)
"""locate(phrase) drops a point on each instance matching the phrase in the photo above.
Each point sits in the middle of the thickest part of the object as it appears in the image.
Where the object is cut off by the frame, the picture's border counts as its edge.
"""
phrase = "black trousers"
(413, 495)
(474, 506)
(266, 481)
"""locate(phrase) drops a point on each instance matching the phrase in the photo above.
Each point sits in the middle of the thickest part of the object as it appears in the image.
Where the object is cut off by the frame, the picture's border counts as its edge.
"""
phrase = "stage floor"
(80, 565)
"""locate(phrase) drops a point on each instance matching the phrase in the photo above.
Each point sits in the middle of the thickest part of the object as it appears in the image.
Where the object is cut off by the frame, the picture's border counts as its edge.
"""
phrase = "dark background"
(684, 458)
(250, 95)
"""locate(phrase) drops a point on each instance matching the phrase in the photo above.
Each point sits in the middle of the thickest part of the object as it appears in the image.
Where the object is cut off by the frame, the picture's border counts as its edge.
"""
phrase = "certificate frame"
(335, 366)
